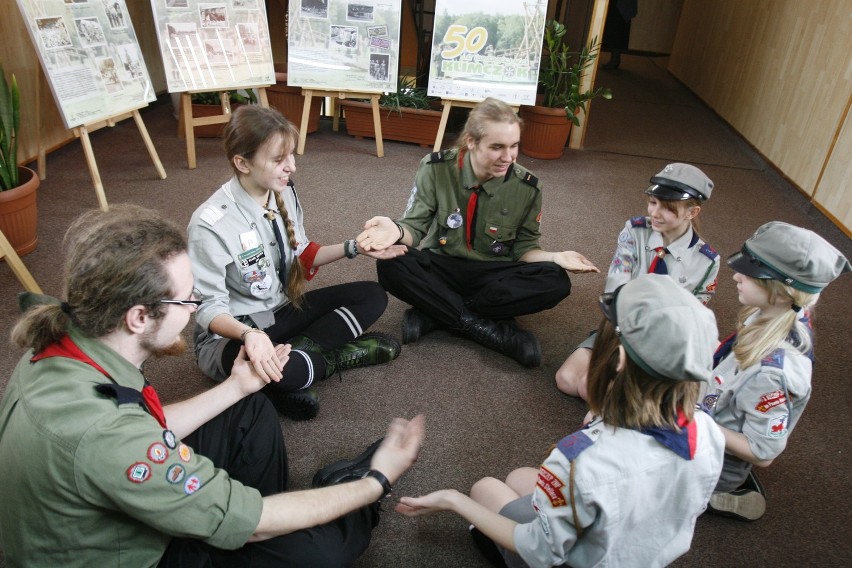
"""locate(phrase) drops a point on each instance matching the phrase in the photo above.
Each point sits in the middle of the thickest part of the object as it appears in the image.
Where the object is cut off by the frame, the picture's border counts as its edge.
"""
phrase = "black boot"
(416, 324)
(296, 405)
(369, 349)
(503, 337)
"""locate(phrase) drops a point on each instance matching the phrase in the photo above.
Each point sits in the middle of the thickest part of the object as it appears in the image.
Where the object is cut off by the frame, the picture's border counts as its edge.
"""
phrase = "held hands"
(266, 359)
(392, 251)
(399, 449)
(379, 233)
(243, 373)
(574, 262)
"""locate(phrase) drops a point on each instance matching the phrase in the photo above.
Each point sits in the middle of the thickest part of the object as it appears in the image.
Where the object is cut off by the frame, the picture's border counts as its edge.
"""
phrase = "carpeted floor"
(485, 414)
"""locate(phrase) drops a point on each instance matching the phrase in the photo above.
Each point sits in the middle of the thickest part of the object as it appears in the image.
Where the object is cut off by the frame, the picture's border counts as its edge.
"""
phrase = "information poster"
(214, 45)
(344, 44)
(91, 57)
(487, 48)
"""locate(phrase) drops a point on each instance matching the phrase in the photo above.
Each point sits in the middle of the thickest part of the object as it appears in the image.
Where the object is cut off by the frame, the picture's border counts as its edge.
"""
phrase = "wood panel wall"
(780, 73)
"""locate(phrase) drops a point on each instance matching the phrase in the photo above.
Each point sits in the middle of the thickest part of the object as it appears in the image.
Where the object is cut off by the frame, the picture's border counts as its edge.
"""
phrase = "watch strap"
(380, 477)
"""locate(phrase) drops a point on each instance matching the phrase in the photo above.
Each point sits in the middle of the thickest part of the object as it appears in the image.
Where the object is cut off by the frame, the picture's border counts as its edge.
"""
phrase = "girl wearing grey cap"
(664, 242)
(762, 375)
(627, 489)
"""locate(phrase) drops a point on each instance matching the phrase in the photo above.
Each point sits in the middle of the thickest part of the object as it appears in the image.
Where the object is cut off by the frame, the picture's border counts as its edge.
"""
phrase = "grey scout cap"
(678, 182)
(796, 256)
(665, 329)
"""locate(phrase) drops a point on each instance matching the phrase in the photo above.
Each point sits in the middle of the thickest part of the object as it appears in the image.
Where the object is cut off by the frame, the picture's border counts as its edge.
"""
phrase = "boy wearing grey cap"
(664, 242)
(627, 489)
(762, 375)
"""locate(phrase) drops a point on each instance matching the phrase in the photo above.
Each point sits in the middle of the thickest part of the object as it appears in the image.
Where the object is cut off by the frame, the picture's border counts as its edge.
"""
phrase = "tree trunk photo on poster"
(90, 55)
(487, 48)
(348, 45)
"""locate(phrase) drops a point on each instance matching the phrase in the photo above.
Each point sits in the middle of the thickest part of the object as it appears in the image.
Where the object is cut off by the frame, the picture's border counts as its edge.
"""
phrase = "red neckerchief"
(682, 443)
(65, 347)
(470, 212)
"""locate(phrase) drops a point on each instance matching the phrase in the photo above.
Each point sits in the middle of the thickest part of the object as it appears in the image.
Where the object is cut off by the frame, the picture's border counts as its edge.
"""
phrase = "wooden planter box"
(409, 125)
(290, 102)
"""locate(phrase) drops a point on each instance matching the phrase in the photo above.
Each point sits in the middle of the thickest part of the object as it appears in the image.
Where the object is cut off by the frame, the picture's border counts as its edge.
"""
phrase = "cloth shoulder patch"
(436, 157)
(774, 360)
(211, 215)
(573, 445)
(770, 400)
(122, 395)
(552, 486)
(708, 251)
(528, 178)
(640, 221)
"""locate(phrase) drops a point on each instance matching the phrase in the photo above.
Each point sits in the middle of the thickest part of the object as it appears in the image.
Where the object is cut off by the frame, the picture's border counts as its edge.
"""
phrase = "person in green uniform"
(476, 215)
(94, 471)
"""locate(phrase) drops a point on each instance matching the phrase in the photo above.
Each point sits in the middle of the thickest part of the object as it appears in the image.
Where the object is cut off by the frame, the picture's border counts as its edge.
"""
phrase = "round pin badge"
(497, 248)
(454, 220)
(260, 288)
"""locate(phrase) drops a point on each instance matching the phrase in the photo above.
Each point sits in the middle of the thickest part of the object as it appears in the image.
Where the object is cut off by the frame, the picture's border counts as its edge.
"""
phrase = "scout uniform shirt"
(502, 224)
(88, 478)
(691, 262)
(764, 402)
(235, 261)
(637, 495)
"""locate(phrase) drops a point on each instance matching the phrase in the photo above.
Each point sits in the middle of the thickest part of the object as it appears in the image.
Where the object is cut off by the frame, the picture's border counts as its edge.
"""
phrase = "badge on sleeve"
(552, 486)
(184, 453)
(192, 484)
(175, 474)
(139, 472)
(157, 452)
(777, 427)
(169, 439)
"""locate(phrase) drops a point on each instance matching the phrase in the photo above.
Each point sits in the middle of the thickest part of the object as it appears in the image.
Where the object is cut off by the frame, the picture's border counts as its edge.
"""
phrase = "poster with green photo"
(350, 45)
(487, 48)
(214, 45)
(91, 57)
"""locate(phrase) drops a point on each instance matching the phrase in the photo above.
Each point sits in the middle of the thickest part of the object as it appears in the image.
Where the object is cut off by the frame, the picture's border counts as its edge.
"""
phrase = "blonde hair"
(767, 333)
(251, 127)
(631, 398)
(489, 111)
(676, 206)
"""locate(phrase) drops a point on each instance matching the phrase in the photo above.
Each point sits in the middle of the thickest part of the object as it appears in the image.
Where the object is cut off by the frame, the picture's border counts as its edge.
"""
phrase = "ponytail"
(41, 326)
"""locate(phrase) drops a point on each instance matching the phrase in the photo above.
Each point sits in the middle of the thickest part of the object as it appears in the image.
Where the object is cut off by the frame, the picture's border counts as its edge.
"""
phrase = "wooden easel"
(306, 112)
(82, 132)
(187, 122)
(18, 268)
(448, 104)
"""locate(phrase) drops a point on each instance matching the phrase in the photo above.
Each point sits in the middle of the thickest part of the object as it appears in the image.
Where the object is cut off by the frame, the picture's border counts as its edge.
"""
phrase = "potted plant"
(18, 184)
(547, 126)
(408, 115)
(210, 104)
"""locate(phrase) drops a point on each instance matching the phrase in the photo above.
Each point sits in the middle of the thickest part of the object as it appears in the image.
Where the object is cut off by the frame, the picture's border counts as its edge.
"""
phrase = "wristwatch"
(380, 477)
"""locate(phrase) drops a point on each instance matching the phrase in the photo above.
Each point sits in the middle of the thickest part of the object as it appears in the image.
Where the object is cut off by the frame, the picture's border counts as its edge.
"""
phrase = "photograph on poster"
(53, 33)
(245, 4)
(313, 9)
(130, 61)
(109, 74)
(334, 44)
(487, 48)
(213, 15)
(177, 4)
(248, 35)
(114, 15)
(90, 32)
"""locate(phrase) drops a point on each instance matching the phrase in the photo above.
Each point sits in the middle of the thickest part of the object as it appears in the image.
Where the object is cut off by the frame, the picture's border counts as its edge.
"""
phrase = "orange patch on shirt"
(551, 486)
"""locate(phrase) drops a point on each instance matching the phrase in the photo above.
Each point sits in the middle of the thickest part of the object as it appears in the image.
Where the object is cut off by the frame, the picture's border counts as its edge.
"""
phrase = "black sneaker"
(346, 470)
(746, 503)
(296, 405)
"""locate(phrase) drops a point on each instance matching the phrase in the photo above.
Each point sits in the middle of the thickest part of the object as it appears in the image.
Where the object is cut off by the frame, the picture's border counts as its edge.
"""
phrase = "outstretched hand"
(434, 502)
(392, 251)
(399, 449)
(379, 233)
(574, 262)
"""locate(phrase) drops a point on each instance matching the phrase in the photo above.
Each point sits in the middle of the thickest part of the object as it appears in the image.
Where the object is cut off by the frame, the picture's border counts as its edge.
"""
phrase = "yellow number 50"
(460, 40)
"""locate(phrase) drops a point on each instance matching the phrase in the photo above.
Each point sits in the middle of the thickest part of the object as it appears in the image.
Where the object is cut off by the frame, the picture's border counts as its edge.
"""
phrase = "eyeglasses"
(606, 302)
(194, 303)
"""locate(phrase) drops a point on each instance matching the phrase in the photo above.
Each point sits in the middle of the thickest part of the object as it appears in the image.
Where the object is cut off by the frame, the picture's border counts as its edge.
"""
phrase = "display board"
(90, 55)
(214, 45)
(344, 44)
(487, 48)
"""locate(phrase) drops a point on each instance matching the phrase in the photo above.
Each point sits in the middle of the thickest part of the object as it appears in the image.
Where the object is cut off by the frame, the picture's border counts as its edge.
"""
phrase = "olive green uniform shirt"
(508, 217)
(86, 481)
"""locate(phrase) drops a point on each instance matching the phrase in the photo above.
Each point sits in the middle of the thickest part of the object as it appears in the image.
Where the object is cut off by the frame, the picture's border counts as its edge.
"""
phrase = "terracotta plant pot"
(545, 132)
(19, 214)
(290, 102)
(409, 125)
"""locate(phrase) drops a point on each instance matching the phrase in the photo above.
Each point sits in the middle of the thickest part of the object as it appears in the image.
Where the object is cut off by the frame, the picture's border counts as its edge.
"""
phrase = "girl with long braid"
(251, 259)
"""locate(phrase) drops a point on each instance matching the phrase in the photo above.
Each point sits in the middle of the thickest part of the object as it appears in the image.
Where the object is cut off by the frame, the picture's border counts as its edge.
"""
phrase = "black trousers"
(444, 286)
(246, 441)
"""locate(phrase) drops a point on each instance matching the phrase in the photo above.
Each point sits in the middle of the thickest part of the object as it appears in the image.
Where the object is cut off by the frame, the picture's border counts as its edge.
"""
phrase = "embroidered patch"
(192, 484)
(139, 472)
(175, 474)
(710, 400)
(538, 217)
(183, 452)
(157, 452)
(774, 359)
(770, 400)
(169, 439)
(551, 486)
(777, 427)
(641, 221)
(712, 286)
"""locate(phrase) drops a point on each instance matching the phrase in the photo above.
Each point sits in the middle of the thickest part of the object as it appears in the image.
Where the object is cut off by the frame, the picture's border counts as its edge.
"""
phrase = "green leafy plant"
(213, 97)
(562, 70)
(10, 121)
(407, 95)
